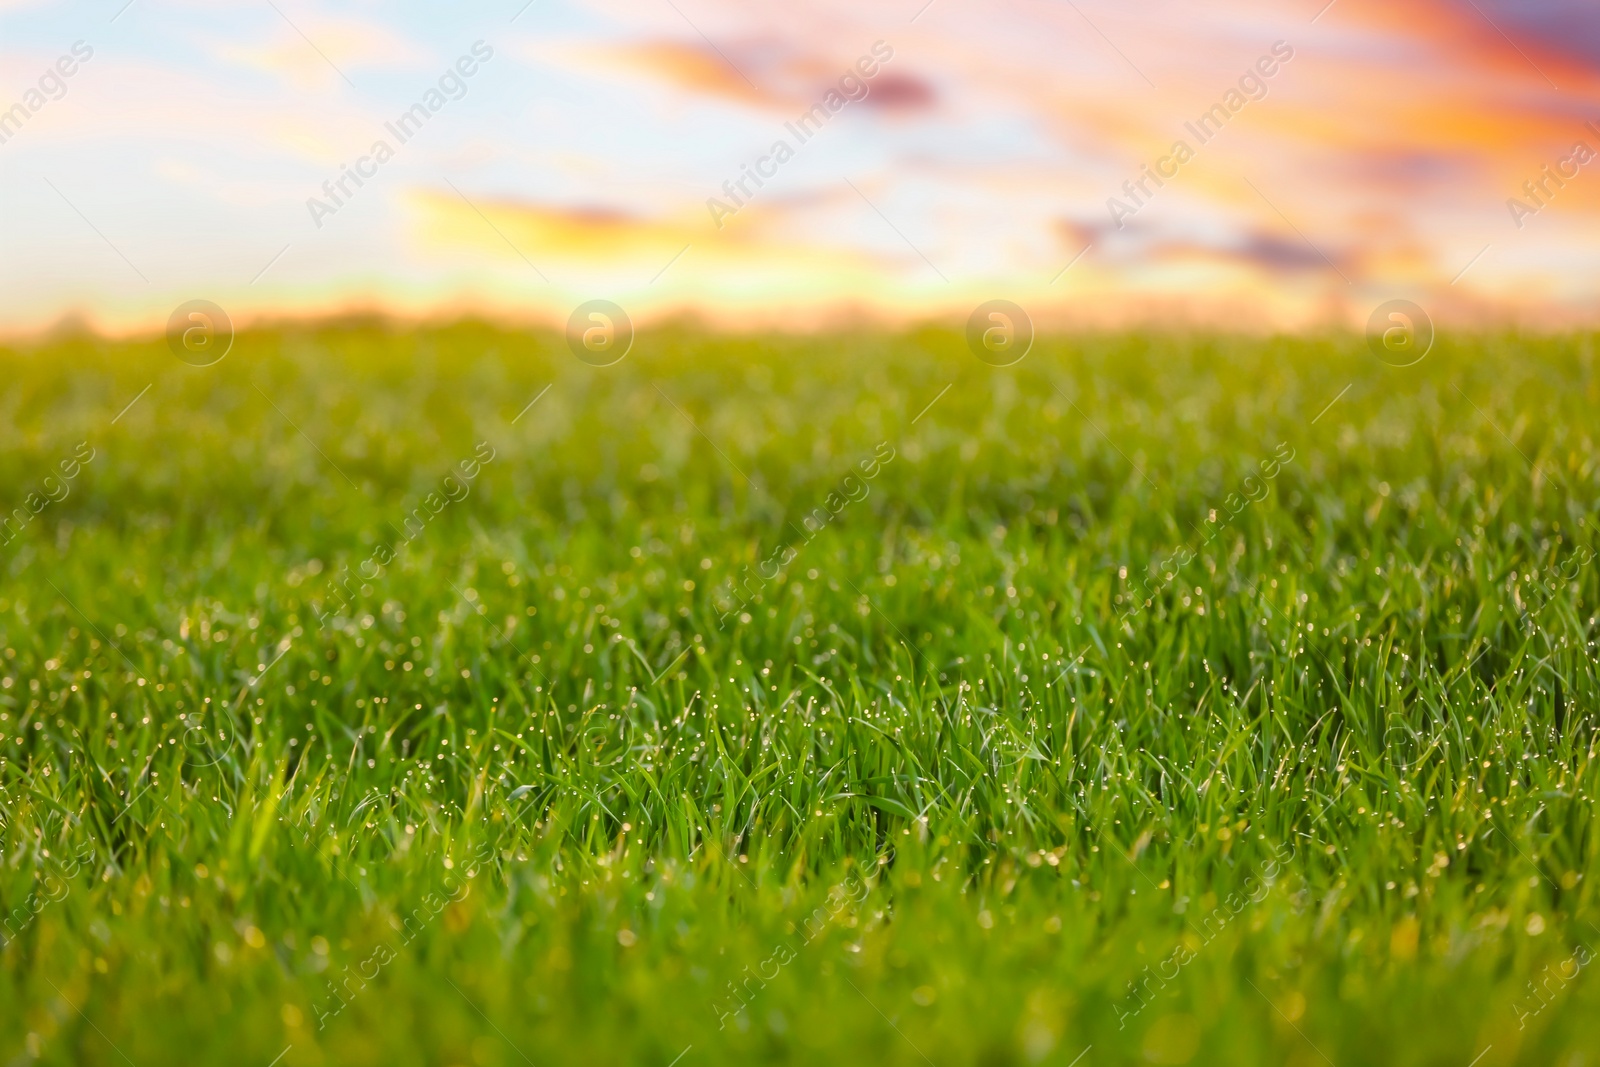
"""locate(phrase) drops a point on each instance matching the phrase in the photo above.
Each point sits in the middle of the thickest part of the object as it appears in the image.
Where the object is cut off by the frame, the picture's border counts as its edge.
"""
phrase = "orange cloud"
(695, 69)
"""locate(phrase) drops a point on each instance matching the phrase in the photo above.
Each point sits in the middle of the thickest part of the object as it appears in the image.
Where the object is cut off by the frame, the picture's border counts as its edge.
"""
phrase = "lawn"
(389, 695)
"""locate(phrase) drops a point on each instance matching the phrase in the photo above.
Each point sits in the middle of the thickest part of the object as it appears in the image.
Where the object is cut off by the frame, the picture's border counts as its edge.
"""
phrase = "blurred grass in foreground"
(1132, 699)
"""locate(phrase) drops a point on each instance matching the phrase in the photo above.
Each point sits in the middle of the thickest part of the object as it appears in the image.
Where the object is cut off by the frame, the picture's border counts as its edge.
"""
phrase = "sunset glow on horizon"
(1250, 165)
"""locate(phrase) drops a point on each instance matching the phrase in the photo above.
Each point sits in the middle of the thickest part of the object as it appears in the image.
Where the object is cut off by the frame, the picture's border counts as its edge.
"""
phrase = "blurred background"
(537, 155)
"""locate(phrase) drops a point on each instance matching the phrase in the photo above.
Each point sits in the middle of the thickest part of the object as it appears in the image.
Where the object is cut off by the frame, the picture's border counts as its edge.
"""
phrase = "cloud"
(990, 142)
(1563, 31)
(330, 44)
(897, 91)
(692, 68)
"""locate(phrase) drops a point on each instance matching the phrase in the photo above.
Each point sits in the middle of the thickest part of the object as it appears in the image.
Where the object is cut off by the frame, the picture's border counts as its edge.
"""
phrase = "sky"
(1284, 165)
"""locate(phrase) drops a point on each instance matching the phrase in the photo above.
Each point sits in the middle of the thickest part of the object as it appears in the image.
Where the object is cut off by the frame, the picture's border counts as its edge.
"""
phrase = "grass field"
(831, 700)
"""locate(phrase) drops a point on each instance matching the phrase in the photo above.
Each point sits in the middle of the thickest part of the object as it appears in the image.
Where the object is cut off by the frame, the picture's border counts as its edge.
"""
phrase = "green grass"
(1032, 748)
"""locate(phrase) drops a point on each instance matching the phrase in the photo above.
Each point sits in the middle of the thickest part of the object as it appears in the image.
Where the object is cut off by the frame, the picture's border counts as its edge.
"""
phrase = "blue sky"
(986, 157)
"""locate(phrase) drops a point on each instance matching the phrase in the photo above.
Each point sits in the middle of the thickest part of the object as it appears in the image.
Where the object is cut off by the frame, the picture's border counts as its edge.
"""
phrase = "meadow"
(424, 695)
